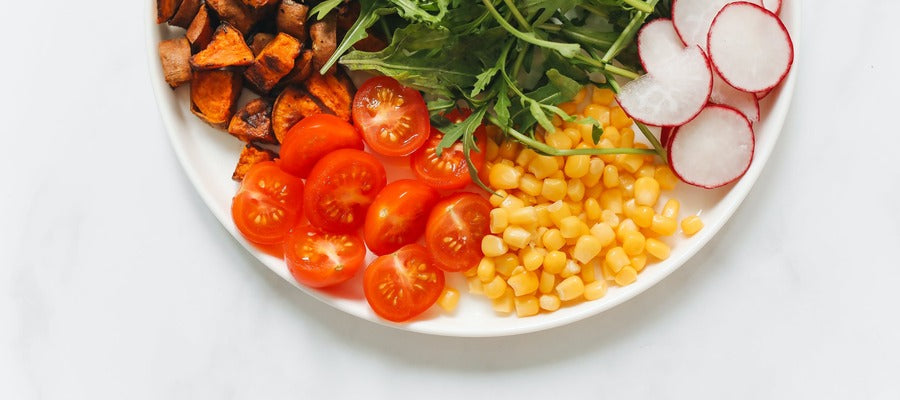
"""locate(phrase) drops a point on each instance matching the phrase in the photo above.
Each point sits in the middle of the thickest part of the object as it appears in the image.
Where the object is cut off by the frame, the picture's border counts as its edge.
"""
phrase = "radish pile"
(707, 68)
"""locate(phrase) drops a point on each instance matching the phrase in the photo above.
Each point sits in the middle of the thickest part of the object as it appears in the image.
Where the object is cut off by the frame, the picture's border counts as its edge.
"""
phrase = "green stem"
(623, 72)
(565, 49)
(595, 10)
(518, 15)
(628, 33)
(546, 149)
(639, 5)
(657, 147)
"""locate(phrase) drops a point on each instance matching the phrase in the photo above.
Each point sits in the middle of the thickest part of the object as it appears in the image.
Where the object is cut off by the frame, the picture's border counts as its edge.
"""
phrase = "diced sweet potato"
(331, 93)
(302, 70)
(323, 35)
(371, 43)
(274, 62)
(227, 49)
(259, 3)
(214, 95)
(175, 56)
(200, 32)
(165, 9)
(250, 156)
(236, 13)
(259, 42)
(291, 19)
(186, 13)
(292, 105)
(253, 123)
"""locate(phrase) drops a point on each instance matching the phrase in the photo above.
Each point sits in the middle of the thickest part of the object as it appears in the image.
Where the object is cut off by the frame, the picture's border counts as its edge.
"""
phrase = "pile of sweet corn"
(564, 228)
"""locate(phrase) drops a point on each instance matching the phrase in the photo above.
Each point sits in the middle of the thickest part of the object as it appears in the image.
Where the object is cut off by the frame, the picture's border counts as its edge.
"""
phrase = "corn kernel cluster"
(564, 228)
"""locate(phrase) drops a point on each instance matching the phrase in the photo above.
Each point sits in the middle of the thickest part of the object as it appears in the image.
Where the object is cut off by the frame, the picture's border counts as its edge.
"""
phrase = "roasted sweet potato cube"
(175, 55)
(259, 3)
(333, 94)
(323, 35)
(165, 9)
(200, 32)
(253, 123)
(292, 105)
(186, 13)
(259, 42)
(236, 13)
(274, 62)
(227, 49)
(250, 156)
(214, 95)
(302, 70)
(291, 19)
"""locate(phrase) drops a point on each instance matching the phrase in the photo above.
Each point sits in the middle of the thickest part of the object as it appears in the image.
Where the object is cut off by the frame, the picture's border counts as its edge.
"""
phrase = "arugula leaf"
(322, 9)
(454, 132)
(415, 10)
(370, 12)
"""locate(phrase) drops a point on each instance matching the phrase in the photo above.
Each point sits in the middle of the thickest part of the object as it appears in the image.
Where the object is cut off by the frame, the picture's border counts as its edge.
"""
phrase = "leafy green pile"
(512, 62)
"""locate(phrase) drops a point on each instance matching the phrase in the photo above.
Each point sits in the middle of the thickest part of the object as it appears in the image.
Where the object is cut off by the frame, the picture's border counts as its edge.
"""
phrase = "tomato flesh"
(393, 118)
(398, 215)
(449, 170)
(312, 138)
(268, 204)
(340, 188)
(404, 284)
(455, 229)
(320, 259)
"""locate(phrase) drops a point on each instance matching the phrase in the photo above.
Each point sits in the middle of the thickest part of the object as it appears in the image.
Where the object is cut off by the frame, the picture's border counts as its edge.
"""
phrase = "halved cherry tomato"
(449, 170)
(312, 138)
(340, 189)
(393, 118)
(268, 203)
(319, 259)
(404, 284)
(397, 217)
(455, 229)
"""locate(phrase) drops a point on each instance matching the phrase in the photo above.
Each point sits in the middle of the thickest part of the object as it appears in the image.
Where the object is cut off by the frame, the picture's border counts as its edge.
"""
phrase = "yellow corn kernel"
(499, 220)
(486, 269)
(511, 201)
(491, 150)
(527, 199)
(587, 247)
(575, 207)
(518, 270)
(643, 216)
(595, 290)
(547, 283)
(516, 237)
(497, 198)
(634, 243)
(630, 162)
(571, 227)
(449, 299)
(610, 176)
(663, 225)
(657, 249)
(626, 276)
(671, 208)
(558, 174)
(605, 143)
(554, 261)
(543, 166)
(592, 209)
(602, 96)
(525, 216)
(493, 246)
(505, 303)
(667, 180)
(503, 176)
(532, 258)
(646, 191)
(527, 306)
(610, 218)
(494, 288)
(558, 211)
(638, 262)
(531, 185)
(575, 190)
(627, 225)
(581, 95)
(570, 108)
(629, 208)
(549, 302)
(554, 189)
(573, 133)
(571, 268)
(505, 161)
(595, 172)
(588, 272)
(505, 264)
(475, 285)
(543, 215)
(570, 288)
(509, 149)
(691, 225)
(617, 259)
(577, 166)
(626, 183)
(607, 272)
(525, 156)
(523, 283)
(646, 171)
(553, 240)
(556, 121)
(604, 233)
(612, 200)
(559, 140)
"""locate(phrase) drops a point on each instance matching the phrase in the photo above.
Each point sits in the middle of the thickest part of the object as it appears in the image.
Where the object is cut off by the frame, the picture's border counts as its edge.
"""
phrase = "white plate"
(208, 156)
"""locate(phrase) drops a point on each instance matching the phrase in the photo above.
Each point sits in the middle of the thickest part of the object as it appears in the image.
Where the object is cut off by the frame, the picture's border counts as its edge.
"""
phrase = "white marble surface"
(116, 282)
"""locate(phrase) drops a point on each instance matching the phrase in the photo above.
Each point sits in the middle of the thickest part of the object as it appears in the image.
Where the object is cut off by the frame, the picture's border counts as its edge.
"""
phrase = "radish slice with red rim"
(714, 149)
(772, 5)
(750, 47)
(725, 94)
(692, 18)
(658, 44)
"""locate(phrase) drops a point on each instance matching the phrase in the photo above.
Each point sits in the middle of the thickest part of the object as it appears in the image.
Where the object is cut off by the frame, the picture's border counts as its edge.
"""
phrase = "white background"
(116, 282)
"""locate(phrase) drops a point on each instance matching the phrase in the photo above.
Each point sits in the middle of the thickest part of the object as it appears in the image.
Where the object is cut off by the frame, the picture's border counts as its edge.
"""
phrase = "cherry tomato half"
(455, 229)
(340, 189)
(449, 170)
(314, 137)
(268, 204)
(393, 118)
(319, 259)
(398, 215)
(404, 284)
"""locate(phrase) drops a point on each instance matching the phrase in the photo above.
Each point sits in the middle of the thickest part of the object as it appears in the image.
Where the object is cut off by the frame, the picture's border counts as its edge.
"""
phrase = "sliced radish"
(692, 18)
(750, 47)
(725, 94)
(763, 94)
(772, 5)
(673, 95)
(658, 43)
(714, 149)
(665, 134)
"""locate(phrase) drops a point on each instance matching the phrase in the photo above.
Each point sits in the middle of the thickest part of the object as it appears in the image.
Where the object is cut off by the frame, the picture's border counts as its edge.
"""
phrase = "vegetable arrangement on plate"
(535, 102)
